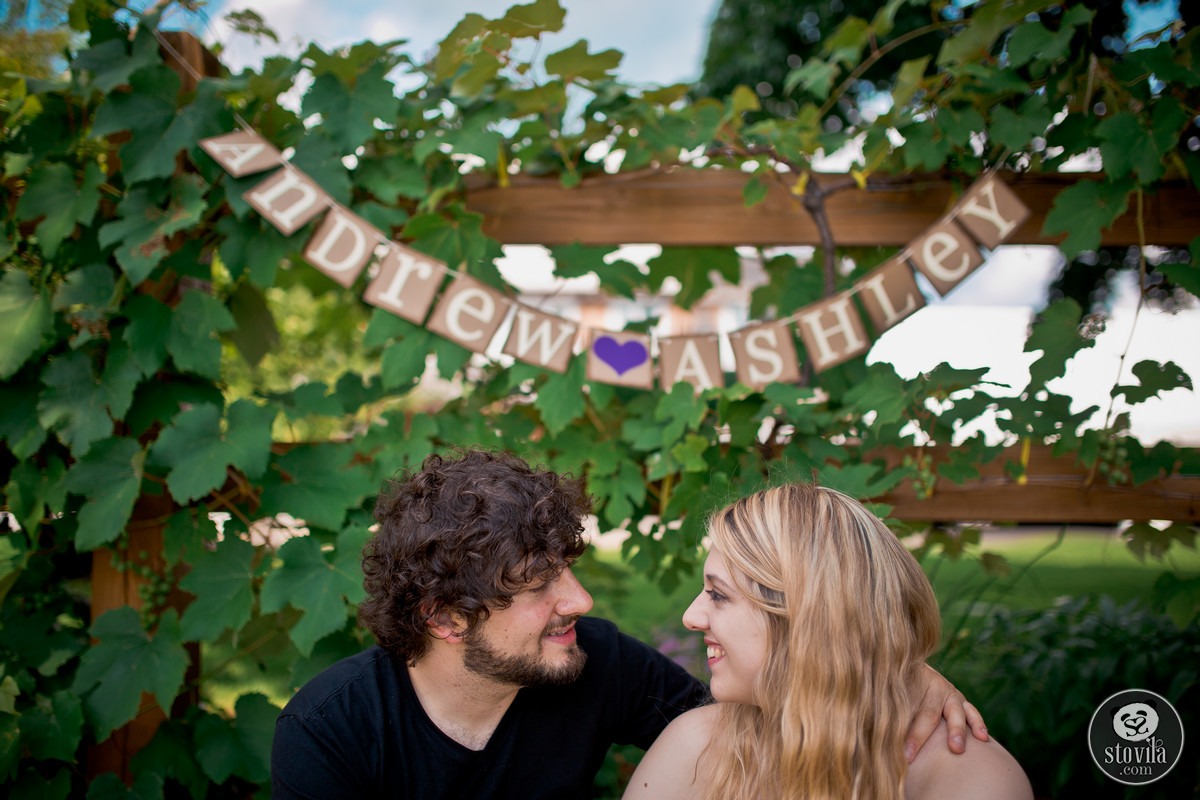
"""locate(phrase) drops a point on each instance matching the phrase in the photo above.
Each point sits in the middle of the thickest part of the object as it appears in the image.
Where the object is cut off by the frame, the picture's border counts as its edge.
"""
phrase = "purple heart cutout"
(621, 357)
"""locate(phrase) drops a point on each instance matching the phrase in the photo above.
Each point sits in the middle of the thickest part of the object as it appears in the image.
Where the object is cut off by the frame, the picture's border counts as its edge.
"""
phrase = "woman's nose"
(694, 619)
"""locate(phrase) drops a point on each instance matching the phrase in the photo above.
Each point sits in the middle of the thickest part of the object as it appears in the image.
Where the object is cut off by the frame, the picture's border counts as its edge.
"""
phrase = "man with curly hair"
(487, 680)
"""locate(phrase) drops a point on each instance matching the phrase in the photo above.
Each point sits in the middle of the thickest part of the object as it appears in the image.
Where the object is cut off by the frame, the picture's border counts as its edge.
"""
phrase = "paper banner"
(889, 293)
(832, 331)
(342, 245)
(242, 152)
(765, 354)
(622, 359)
(288, 199)
(945, 255)
(990, 212)
(543, 340)
(406, 283)
(469, 313)
(694, 359)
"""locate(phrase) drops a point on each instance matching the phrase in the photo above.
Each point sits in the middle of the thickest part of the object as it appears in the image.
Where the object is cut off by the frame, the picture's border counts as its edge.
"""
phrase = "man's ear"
(446, 625)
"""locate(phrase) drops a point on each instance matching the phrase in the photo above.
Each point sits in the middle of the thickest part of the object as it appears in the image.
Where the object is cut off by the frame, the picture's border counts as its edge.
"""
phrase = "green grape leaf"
(883, 392)
(560, 398)
(188, 535)
(20, 427)
(576, 260)
(1153, 379)
(32, 786)
(192, 338)
(1056, 334)
(394, 448)
(35, 491)
(112, 61)
(172, 754)
(973, 41)
(53, 727)
(678, 411)
(53, 195)
(316, 585)
(255, 334)
(315, 483)
(618, 492)
(348, 112)
(814, 76)
(10, 744)
(1186, 276)
(126, 662)
(120, 379)
(1083, 209)
(691, 267)
(755, 191)
(221, 580)
(73, 402)
(149, 322)
(690, 453)
(1129, 146)
(198, 452)
(141, 233)
(576, 63)
(240, 746)
(158, 127)
(532, 19)
(110, 787)
(25, 319)
(253, 248)
(110, 477)
(92, 286)
(391, 178)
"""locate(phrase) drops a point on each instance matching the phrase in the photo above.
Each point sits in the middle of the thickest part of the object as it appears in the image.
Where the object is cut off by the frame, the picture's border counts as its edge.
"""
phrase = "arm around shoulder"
(986, 771)
(670, 768)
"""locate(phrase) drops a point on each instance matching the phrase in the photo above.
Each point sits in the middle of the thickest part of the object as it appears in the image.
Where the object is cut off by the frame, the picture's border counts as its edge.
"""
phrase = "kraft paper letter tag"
(765, 354)
(945, 255)
(832, 331)
(407, 282)
(889, 294)
(342, 245)
(990, 211)
(622, 359)
(242, 152)
(469, 313)
(543, 340)
(692, 359)
(288, 199)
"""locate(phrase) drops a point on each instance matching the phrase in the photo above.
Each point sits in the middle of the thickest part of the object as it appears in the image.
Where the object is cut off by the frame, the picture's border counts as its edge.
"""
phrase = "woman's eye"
(716, 596)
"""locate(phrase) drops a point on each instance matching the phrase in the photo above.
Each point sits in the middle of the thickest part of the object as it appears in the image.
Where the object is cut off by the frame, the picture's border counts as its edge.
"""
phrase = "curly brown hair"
(462, 535)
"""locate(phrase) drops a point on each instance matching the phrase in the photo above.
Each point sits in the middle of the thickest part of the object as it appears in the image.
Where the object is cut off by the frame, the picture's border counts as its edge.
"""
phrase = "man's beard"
(521, 670)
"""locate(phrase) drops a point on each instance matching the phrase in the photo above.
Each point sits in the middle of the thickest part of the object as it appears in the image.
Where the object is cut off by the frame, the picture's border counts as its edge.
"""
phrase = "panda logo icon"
(1136, 722)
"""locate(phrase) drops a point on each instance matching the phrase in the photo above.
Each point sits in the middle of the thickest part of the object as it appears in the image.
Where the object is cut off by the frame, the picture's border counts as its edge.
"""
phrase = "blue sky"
(663, 40)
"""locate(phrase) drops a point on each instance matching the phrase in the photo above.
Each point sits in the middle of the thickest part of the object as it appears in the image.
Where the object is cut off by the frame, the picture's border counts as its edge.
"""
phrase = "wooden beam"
(1056, 490)
(705, 207)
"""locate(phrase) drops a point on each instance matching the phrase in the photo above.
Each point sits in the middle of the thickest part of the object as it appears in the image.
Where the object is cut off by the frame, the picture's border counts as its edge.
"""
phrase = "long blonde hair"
(850, 618)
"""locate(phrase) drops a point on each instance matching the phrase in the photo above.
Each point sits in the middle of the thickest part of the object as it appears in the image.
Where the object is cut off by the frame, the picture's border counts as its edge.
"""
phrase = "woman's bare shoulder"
(670, 768)
(986, 771)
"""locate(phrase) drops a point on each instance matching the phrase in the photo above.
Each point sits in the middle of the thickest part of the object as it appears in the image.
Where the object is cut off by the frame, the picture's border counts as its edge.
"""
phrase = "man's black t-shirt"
(358, 731)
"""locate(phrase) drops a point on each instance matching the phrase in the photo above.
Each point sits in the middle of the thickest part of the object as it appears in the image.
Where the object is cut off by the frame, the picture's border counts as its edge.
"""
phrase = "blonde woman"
(817, 621)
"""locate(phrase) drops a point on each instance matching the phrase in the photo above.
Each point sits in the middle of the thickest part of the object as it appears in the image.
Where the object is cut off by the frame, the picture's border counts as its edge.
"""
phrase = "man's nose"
(575, 600)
